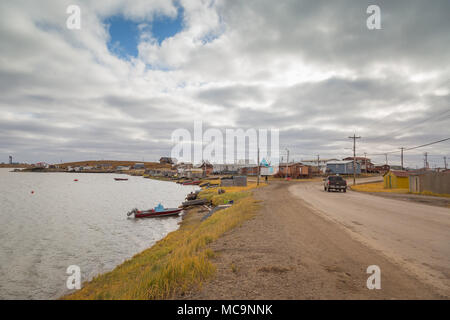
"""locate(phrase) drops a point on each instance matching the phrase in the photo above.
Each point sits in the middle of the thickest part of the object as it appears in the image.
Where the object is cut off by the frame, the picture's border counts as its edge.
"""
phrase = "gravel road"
(414, 235)
(293, 250)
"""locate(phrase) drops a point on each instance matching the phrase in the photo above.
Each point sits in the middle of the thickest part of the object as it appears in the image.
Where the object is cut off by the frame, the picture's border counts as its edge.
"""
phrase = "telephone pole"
(386, 158)
(425, 160)
(365, 161)
(318, 164)
(445, 163)
(354, 157)
(287, 161)
(259, 171)
(402, 156)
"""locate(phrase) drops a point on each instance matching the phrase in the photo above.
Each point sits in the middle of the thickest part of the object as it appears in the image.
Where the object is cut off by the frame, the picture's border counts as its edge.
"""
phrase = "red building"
(294, 170)
(382, 169)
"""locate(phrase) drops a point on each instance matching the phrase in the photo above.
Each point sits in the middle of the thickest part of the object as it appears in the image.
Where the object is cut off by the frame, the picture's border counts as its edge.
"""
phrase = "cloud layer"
(309, 68)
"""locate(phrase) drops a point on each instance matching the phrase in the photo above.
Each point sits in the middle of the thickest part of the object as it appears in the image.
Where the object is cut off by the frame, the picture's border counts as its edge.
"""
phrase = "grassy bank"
(378, 187)
(429, 193)
(178, 262)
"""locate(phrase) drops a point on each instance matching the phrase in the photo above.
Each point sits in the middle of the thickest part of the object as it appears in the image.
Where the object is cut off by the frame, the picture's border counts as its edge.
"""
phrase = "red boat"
(153, 214)
(121, 179)
(187, 183)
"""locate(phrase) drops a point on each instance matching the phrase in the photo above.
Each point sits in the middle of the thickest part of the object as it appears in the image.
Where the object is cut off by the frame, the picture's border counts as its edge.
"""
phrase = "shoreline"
(178, 262)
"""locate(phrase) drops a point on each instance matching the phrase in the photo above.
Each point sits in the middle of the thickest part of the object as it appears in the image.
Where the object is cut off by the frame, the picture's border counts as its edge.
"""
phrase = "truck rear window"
(335, 178)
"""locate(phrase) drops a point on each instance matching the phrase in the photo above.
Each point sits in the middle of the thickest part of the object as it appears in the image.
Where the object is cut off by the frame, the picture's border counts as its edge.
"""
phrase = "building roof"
(400, 173)
(340, 162)
(321, 160)
(290, 164)
(357, 158)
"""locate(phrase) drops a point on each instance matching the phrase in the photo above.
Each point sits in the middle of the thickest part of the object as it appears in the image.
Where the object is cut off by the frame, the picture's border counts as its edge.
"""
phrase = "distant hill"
(19, 165)
(113, 163)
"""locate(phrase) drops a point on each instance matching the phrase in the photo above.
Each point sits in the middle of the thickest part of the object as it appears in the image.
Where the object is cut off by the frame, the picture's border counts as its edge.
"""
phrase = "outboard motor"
(135, 210)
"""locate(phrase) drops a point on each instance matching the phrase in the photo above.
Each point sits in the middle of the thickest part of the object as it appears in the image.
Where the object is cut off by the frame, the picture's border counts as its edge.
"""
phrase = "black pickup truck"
(334, 183)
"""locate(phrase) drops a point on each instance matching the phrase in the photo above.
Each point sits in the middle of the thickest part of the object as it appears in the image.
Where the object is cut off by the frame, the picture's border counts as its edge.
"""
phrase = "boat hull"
(153, 214)
(190, 183)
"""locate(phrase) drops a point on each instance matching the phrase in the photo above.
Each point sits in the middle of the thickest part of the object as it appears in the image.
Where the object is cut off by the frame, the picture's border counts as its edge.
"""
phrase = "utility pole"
(365, 161)
(318, 164)
(445, 163)
(425, 161)
(354, 157)
(259, 171)
(386, 158)
(402, 156)
(287, 161)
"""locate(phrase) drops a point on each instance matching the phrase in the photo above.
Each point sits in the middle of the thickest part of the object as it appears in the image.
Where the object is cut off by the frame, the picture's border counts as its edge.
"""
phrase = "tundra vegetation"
(379, 187)
(179, 262)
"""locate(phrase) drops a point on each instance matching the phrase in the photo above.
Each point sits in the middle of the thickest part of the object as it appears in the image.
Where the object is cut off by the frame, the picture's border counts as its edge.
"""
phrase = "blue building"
(343, 167)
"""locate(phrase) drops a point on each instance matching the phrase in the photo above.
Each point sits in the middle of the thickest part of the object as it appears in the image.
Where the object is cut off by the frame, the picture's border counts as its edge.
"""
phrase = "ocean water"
(49, 222)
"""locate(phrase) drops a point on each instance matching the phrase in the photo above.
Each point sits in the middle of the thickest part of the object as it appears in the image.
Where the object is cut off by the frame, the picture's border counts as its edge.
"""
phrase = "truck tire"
(345, 190)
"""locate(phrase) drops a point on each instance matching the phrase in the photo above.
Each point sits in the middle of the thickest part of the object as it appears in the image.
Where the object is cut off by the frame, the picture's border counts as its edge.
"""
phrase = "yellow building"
(396, 179)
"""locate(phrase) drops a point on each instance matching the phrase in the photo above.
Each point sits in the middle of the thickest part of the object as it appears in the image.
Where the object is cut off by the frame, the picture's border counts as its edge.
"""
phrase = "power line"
(428, 144)
(410, 126)
(406, 149)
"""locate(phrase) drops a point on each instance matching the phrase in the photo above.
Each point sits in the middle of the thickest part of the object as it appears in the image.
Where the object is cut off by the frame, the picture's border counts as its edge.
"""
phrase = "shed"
(193, 173)
(236, 181)
(435, 182)
(396, 179)
(240, 181)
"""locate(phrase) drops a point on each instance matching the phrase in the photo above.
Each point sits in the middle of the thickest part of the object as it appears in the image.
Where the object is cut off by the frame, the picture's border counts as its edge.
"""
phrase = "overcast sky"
(309, 68)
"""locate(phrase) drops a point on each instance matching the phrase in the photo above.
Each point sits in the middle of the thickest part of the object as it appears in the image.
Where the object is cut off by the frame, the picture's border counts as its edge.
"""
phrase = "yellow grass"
(173, 265)
(212, 181)
(429, 193)
(377, 187)
(231, 193)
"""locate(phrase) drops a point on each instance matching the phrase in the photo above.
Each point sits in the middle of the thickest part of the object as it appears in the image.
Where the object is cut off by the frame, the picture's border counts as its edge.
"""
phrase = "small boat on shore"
(121, 179)
(188, 183)
(196, 202)
(158, 211)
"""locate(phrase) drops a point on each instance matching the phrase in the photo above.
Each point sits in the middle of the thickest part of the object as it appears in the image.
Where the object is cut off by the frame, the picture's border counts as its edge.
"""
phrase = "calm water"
(80, 223)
